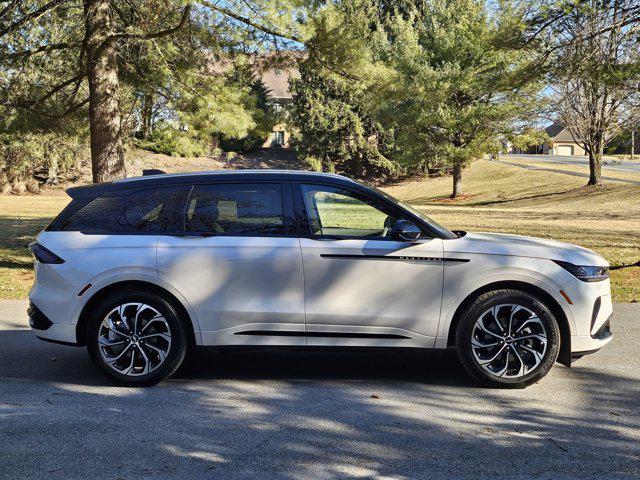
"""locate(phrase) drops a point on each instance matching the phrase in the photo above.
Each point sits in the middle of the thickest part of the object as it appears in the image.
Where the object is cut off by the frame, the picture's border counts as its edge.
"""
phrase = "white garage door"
(565, 150)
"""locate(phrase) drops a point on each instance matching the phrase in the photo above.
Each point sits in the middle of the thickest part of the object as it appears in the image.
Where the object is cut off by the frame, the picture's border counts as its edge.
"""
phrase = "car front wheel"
(136, 338)
(508, 338)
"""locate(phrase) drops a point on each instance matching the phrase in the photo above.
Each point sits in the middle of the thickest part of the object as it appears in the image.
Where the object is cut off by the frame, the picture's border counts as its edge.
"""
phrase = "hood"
(516, 245)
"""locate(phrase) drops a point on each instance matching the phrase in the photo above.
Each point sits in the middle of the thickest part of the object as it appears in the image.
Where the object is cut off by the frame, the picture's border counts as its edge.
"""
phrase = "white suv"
(144, 269)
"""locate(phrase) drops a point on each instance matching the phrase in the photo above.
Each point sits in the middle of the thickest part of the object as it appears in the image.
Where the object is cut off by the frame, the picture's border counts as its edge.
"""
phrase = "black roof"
(165, 179)
(554, 129)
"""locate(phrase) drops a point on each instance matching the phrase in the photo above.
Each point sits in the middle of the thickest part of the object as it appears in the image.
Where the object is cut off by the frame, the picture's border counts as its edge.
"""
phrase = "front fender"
(461, 283)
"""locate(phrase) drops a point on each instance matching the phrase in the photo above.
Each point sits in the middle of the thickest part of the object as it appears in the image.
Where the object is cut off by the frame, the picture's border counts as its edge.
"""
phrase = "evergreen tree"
(454, 81)
(332, 130)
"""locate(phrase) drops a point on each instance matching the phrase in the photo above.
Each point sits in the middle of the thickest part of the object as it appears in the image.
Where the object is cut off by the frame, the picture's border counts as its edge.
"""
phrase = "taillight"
(43, 254)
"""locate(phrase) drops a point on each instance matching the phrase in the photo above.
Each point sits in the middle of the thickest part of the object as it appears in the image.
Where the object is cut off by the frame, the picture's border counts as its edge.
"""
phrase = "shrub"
(173, 142)
(28, 159)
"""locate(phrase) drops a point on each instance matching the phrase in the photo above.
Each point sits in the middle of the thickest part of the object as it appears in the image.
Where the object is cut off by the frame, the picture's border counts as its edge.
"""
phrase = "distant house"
(275, 78)
(275, 70)
(560, 142)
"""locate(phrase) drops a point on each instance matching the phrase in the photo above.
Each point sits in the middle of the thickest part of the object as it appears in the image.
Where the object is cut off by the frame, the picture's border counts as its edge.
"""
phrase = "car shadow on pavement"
(25, 357)
(429, 367)
(279, 414)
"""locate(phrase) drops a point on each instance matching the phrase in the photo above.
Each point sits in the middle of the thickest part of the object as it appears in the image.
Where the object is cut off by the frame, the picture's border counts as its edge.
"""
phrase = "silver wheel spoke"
(113, 360)
(129, 369)
(495, 311)
(488, 361)
(110, 343)
(146, 361)
(502, 371)
(533, 320)
(513, 312)
(157, 350)
(135, 319)
(157, 335)
(533, 352)
(522, 369)
(109, 325)
(542, 338)
(121, 309)
(480, 323)
(478, 344)
(158, 318)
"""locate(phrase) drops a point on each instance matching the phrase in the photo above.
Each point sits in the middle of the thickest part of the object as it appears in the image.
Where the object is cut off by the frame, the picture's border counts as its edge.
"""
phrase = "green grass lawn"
(499, 198)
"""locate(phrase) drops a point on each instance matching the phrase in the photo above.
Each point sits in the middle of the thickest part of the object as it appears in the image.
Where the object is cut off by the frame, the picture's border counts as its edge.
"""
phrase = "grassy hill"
(499, 198)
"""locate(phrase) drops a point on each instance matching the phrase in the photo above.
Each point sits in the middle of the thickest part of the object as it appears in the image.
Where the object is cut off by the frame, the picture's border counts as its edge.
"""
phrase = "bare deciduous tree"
(597, 76)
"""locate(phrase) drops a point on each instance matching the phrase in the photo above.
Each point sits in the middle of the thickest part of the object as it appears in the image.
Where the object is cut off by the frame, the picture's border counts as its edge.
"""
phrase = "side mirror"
(405, 230)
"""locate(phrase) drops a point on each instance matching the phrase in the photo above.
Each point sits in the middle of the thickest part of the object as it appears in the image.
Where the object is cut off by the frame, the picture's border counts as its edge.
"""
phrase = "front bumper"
(585, 344)
(597, 332)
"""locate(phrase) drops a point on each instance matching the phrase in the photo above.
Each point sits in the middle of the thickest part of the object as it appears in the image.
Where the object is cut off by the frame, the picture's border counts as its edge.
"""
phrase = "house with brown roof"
(560, 142)
(275, 69)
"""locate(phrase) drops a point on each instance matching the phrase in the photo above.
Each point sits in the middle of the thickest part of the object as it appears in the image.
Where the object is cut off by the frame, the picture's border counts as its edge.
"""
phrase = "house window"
(277, 138)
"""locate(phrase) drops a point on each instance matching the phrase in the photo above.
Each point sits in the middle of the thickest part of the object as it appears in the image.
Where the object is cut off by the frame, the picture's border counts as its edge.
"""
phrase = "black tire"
(465, 331)
(175, 355)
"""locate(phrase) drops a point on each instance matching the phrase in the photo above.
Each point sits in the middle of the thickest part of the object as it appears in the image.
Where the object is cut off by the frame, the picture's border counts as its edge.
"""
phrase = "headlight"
(585, 273)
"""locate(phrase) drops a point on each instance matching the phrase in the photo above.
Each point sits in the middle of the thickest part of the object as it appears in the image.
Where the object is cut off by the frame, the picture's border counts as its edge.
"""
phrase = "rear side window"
(235, 209)
(140, 211)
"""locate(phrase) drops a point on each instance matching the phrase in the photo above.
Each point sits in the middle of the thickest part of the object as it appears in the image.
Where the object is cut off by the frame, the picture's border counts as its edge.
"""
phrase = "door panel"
(384, 288)
(238, 286)
(239, 264)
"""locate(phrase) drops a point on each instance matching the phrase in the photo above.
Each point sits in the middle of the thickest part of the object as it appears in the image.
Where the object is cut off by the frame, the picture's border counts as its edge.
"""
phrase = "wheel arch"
(545, 297)
(119, 286)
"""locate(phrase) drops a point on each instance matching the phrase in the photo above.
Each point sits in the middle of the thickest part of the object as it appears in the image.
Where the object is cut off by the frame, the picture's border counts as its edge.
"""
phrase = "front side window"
(140, 211)
(235, 209)
(338, 212)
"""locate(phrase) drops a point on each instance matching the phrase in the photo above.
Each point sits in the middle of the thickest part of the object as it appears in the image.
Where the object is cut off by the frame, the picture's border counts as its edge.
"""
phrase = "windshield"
(442, 231)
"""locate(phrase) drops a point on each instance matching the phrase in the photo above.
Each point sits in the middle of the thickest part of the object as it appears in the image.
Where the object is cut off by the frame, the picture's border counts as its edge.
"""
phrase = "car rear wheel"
(508, 338)
(136, 338)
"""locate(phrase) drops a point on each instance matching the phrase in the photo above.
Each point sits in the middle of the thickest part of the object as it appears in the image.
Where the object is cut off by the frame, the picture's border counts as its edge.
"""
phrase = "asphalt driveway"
(316, 415)
(607, 164)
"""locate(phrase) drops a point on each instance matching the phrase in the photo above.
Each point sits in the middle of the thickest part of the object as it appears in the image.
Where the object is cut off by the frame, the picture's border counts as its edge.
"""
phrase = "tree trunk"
(457, 180)
(105, 123)
(595, 168)
(147, 115)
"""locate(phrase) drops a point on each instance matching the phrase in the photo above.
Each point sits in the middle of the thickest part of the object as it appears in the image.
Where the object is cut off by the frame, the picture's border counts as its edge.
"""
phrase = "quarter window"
(338, 212)
(235, 209)
(141, 211)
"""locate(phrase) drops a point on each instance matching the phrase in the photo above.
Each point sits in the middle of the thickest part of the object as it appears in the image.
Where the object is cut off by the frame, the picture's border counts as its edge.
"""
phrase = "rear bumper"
(45, 329)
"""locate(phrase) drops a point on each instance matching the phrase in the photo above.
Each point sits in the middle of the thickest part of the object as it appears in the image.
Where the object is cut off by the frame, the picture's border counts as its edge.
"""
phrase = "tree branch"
(31, 16)
(75, 107)
(148, 36)
(249, 22)
(44, 48)
(57, 88)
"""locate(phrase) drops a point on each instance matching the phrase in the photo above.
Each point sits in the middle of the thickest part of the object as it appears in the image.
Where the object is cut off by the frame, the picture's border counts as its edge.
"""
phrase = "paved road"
(623, 166)
(320, 415)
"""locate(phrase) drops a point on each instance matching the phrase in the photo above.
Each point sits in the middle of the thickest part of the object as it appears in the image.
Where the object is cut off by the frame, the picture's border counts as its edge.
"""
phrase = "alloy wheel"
(134, 339)
(509, 341)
